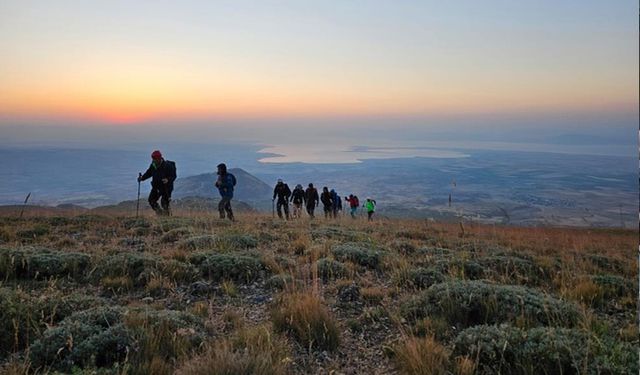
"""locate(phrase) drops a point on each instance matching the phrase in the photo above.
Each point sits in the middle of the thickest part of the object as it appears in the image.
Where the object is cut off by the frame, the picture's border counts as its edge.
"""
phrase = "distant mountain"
(249, 188)
(178, 206)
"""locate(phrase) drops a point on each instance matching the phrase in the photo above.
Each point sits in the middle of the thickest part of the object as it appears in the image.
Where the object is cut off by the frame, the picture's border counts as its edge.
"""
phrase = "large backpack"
(356, 202)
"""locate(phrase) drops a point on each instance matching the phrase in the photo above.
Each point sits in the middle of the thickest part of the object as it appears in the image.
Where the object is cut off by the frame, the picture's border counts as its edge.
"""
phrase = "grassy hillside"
(193, 294)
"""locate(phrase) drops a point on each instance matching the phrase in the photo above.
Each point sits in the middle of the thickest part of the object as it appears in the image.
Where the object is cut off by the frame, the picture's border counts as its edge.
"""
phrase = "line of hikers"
(331, 201)
(163, 173)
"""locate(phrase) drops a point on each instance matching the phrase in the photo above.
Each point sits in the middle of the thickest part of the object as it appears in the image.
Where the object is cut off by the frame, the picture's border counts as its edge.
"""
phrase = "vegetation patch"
(218, 267)
(357, 253)
(40, 263)
(102, 337)
(137, 267)
(305, 317)
(329, 269)
(467, 303)
(254, 351)
(544, 350)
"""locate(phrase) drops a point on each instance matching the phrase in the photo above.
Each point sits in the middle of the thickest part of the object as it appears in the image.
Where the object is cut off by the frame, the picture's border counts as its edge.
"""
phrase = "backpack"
(356, 202)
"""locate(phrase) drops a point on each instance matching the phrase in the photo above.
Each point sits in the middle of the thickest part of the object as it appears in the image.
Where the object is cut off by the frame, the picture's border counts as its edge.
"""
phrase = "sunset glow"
(123, 63)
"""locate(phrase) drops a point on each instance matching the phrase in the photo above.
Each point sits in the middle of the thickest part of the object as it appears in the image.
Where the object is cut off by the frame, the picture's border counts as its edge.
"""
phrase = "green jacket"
(370, 205)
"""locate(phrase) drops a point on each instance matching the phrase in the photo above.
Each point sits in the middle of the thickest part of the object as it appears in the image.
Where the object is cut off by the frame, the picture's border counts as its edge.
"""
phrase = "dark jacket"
(297, 197)
(325, 197)
(166, 169)
(336, 200)
(282, 191)
(225, 184)
(311, 198)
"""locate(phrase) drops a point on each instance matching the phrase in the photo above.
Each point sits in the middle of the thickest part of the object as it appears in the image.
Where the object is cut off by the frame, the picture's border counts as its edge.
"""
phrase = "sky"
(238, 65)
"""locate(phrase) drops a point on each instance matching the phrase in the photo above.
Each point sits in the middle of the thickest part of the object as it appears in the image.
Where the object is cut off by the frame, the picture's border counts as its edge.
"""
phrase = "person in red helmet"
(162, 173)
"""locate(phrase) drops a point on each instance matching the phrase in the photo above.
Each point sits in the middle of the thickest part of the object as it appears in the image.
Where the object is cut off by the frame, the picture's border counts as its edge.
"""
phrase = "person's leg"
(165, 200)
(227, 208)
(221, 206)
(279, 208)
(154, 195)
(285, 206)
(369, 214)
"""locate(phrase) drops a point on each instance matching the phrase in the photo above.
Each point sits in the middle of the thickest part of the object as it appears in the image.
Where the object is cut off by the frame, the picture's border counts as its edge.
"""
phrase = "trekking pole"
(138, 199)
(273, 209)
(25, 204)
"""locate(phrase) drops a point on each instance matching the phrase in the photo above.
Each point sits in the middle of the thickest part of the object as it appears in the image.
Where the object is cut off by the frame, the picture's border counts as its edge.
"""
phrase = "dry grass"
(421, 356)
(310, 310)
(307, 319)
(251, 352)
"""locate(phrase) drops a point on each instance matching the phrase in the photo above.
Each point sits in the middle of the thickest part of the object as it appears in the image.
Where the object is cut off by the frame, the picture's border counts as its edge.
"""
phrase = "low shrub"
(515, 269)
(357, 253)
(614, 286)
(137, 267)
(102, 337)
(203, 242)
(279, 282)
(330, 269)
(544, 350)
(33, 232)
(467, 303)
(40, 263)
(224, 242)
(174, 235)
(241, 268)
(421, 278)
(305, 317)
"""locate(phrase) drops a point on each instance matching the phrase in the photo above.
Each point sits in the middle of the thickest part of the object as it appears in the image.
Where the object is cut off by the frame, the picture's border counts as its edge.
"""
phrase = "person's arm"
(275, 192)
(147, 174)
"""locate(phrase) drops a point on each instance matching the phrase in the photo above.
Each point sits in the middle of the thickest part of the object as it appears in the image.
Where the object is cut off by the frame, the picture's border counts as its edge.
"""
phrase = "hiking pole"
(273, 208)
(25, 204)
(138, 200)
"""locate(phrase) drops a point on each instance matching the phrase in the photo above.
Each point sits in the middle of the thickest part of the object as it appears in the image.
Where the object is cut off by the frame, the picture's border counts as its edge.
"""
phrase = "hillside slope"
(192, 293)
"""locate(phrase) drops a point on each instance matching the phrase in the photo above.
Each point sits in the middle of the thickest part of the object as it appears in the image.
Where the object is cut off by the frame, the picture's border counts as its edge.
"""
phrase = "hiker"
(283, 193)
(162, 173)
(225, 184)
(325, 198)
(370, 206)
(311, 199)
(336, 203)
(297, 198)
(353, 204)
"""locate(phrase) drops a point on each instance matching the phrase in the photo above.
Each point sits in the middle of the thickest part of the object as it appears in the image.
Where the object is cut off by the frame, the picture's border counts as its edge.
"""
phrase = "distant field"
(193, 294)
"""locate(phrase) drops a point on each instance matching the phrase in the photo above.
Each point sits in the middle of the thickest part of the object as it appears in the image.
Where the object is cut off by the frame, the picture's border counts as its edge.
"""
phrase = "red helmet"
(156, 154)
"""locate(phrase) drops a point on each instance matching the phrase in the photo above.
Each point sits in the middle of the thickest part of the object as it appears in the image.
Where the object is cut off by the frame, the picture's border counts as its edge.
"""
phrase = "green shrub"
(203, 242)
(330, 269)
(544, 350)
(279, 282)
(179, 271)
(102, 337)
(424, 277)
(32, 233)
(236, 267)
(38, 263)
(517, 270)
(225, 242)
(357, 253)
(139, 268)
(614, 286)
(467, 303)
(334, 233)
(606, 263)
(134, 223)
(464, 268)
(174, 235)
